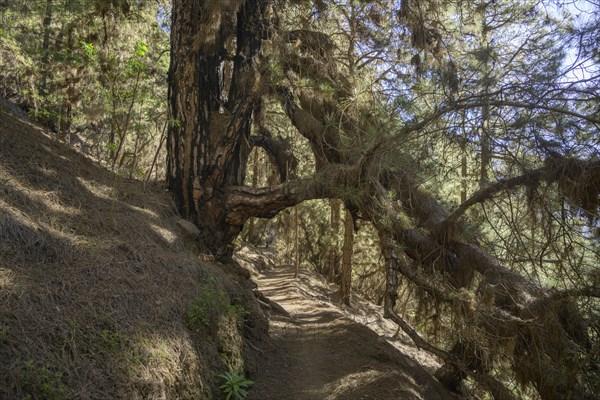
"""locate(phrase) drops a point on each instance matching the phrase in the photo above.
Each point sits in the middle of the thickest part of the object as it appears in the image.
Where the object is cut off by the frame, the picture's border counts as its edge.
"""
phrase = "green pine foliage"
(94, 74)
(455, 95)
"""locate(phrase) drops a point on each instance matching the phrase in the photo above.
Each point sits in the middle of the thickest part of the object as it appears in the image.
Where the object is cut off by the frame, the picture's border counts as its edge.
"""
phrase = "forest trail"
(317, 353)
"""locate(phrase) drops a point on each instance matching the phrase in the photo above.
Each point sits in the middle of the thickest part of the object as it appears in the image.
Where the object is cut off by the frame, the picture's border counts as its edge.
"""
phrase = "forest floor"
(96, 282)
(320, 352)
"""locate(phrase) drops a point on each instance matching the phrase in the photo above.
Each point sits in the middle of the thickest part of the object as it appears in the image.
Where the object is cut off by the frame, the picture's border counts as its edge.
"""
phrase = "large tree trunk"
(208, 139)
(208, 145)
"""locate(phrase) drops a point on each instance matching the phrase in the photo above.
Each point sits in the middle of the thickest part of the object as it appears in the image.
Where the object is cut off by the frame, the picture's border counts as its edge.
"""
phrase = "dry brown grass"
(95, 282)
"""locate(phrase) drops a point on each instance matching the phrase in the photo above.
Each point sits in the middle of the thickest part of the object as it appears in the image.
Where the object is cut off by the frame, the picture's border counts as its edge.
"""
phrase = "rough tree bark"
(208, 145)
(208, 138)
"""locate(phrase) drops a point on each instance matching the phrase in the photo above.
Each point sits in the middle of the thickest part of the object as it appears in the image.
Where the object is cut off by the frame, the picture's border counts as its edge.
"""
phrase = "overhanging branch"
(555, 169)
(243, 202)
(498, 390)
(279, 151)
(527, 179)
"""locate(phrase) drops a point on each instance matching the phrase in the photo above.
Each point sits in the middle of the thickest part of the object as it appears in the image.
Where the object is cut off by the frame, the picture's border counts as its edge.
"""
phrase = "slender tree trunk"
(160, 144)
(463, 176)
(486, 151)
(125, 128)
(65, 111)
(463, 163)
(346, 272)
(332, 261)
(296, 242)
(46, 49)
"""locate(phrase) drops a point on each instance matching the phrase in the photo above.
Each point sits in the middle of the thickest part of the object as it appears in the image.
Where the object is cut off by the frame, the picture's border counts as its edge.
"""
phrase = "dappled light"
(300, 199)
(94, 279)
(320, 353)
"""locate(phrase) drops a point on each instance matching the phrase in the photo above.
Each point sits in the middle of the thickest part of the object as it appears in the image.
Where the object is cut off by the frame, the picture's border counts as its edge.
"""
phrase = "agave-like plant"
(235, 385)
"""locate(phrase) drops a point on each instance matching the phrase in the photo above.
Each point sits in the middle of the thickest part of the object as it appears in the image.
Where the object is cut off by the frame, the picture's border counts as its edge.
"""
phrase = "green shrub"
(235, 385)
(206, 310)
(238, 312)
(111, 340)
(40, 382)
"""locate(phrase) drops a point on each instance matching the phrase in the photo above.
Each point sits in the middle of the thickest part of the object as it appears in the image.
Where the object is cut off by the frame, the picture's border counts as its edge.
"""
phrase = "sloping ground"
(96, 284)
(317, 352)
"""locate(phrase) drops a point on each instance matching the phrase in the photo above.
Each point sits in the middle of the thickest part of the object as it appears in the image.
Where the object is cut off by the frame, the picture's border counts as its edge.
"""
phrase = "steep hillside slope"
(97, 286)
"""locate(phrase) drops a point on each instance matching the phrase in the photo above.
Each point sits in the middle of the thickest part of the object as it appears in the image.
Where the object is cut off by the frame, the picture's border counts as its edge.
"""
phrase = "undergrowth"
(95, 279)
(214, 312)
(41, 382)
(235, 385)
(212, 305)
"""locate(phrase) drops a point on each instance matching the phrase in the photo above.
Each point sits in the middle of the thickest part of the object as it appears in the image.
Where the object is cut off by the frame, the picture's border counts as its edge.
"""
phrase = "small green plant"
(238, 312)
(206, 310)
(110, 340)
(138, 357)
(174, 122)
(111, 146)
(40, 382)
(88, 49)
(235, 385)
(141, 48)
(3, 334)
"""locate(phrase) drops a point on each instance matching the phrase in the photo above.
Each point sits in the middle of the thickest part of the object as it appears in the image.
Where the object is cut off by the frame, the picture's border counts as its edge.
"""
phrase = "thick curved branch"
(280, 153)
(308, 126)
(243, 202)
(321, 141)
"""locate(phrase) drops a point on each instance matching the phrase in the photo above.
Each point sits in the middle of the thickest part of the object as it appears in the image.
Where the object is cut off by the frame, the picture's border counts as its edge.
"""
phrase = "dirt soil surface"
(96, 282)
(318, 352)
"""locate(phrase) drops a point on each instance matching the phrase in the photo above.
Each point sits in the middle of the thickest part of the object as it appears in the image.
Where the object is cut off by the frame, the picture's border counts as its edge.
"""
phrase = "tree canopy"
(462, 139)
(457, 130)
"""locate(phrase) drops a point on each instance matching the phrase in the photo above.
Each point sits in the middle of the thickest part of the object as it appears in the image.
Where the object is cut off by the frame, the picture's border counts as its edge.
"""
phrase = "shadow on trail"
(318, 354)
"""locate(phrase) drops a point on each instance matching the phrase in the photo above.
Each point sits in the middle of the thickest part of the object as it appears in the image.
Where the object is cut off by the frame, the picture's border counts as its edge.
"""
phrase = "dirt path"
(317, 353)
